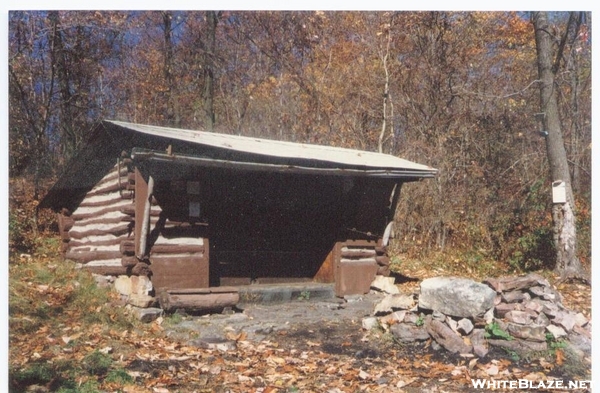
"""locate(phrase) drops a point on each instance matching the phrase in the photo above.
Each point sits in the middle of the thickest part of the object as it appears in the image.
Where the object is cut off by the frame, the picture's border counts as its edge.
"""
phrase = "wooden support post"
(143, 195)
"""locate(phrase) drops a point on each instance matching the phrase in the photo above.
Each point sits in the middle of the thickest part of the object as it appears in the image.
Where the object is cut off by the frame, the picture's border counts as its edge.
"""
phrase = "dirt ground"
(332, 326)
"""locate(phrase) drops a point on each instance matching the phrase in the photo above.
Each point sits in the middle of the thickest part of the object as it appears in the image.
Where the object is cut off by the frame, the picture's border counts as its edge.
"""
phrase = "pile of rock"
(520, 314)
(135, 294)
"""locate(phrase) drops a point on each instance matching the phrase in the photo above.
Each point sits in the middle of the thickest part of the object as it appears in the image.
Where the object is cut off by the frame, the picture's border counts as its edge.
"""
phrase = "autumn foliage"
(459, 89)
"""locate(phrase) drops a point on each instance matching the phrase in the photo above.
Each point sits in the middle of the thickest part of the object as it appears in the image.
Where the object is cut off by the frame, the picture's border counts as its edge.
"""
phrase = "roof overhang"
(300, 154)
(406, 174)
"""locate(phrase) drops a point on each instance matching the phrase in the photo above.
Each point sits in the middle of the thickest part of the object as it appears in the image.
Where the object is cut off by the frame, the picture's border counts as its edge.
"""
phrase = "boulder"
(142, 301)
(405, 332)
(391, 303)
(122, 285)
(141, 285)
(457, 297)
(385, 284)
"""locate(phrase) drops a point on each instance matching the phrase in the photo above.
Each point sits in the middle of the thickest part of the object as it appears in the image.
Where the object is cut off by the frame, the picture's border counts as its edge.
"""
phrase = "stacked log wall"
(357, 264)
(366, 252)
(92, 234)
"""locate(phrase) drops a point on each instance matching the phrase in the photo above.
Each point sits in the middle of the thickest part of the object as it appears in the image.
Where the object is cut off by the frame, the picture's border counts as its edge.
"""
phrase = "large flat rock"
(457, 297)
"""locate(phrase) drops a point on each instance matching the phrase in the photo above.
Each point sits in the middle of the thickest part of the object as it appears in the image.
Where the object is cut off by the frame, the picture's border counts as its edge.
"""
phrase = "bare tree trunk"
(172, 115)
(212, 19)
(387, 97)
(563, 216)
(59, 65)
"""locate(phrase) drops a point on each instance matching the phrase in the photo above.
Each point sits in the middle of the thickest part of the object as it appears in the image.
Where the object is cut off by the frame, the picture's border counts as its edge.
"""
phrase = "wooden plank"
(105, 190)
(358, 253)
(109, 242)
(355, 278)
(127, 247)
(117, 230)
(88, 256)
(326, 271)
(180, 272)
(107, 270)
(360, 243)
(111, 220)
(198, 301)
(352, 276)
(191, 291)
(170, 231)
(281, 280)
(106, 202)
(141, 195)
(337, 258)
(142, 246)
(130, 211)
(362, 260)
(108, 209)
(177, 249)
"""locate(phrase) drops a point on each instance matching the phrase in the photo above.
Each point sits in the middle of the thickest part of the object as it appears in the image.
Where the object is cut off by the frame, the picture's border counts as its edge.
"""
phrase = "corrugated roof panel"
(281, 149)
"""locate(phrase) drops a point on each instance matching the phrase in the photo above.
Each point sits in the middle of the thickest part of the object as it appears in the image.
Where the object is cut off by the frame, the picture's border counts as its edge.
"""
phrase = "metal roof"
(281, 149)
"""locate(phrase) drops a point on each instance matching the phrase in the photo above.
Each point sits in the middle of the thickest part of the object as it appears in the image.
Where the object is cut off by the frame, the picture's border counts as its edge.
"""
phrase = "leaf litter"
(313, 356)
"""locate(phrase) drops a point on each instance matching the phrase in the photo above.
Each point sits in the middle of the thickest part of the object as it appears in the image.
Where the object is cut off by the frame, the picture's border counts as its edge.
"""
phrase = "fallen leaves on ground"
(46, 328)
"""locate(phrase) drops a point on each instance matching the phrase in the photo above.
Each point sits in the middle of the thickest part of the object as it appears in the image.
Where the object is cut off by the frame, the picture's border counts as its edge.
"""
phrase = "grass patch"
(57, 314)
(39, 373)
(97, 363)
(119, 377)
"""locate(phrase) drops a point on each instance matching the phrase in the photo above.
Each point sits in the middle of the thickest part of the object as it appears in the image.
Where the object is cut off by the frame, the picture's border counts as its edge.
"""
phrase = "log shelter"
(197, 211)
